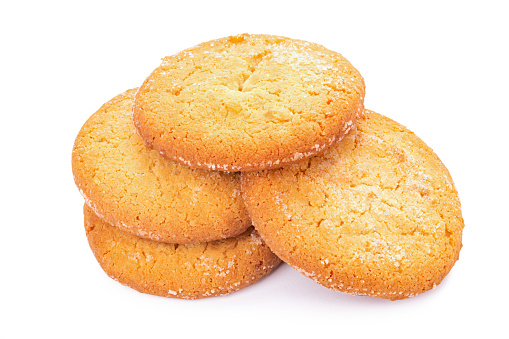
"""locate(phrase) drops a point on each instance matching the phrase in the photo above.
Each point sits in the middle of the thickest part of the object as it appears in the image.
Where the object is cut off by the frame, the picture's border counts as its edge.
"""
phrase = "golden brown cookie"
(138, 190)
(179, 271)
(248, 102)
(377, 215)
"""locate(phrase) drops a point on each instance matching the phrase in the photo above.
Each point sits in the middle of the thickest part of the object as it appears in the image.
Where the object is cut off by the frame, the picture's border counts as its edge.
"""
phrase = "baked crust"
(248, 102)
(141, 192)
(179, 271)
(377, 215)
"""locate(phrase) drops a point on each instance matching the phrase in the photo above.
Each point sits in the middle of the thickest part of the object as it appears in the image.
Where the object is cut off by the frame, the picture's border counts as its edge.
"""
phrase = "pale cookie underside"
(138, 190)
(376, 215)
(179, 271)
(248, 102)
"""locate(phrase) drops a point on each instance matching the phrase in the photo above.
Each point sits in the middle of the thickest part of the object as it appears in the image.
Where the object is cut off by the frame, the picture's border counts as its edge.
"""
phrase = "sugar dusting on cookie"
(179, 271)
(235, 103)
(377, 215)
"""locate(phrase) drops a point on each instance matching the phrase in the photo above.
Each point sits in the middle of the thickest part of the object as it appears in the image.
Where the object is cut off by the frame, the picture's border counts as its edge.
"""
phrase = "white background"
(438, 67)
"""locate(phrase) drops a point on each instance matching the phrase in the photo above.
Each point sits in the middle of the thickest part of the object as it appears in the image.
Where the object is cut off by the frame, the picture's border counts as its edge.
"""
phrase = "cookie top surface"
(180, 271)
(248, 102)
(376, 215)
(140, 191)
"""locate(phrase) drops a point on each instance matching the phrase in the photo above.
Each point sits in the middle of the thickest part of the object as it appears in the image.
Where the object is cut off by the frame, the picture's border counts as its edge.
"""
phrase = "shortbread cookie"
(140, 191)
(179, 271)
(248, 102)
(377, 215)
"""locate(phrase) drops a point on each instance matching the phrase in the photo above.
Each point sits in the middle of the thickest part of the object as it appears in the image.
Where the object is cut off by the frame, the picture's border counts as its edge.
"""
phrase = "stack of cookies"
(243, 151)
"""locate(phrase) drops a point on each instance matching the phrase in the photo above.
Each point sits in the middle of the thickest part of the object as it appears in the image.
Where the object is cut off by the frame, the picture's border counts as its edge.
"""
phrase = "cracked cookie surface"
(248, 102)
(179, 271)
(376, 215)
(144, 193)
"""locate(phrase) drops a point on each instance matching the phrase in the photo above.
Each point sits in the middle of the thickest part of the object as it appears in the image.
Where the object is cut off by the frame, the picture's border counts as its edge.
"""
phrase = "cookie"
(138, 190)
(377, 215)
(179, 271)
(248, 102)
